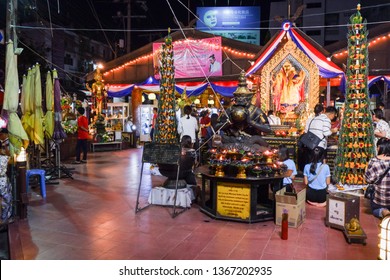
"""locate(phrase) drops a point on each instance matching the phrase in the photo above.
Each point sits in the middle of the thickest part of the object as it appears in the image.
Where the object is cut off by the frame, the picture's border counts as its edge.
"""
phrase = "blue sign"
(1, 36)
(241, 23)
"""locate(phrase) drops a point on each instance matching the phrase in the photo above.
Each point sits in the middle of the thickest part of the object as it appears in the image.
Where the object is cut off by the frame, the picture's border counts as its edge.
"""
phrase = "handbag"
(309, 139)
(370, 190)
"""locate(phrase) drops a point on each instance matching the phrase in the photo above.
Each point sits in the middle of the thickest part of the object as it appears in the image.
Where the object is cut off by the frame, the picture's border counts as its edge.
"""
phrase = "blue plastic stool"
(41, 173)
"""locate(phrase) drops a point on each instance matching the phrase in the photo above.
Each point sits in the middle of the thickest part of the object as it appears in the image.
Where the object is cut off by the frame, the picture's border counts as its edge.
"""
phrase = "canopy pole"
(328, 92)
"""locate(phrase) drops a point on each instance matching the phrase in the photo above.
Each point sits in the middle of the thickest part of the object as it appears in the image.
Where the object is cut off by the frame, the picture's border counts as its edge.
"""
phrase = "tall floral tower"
(356, 140)
(166, 124)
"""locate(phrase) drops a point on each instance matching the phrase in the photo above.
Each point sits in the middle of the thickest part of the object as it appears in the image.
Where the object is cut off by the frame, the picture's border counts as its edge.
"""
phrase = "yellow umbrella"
(49, 117)
(22, 101)
(28, 102)
(38, 114)
(17, 136)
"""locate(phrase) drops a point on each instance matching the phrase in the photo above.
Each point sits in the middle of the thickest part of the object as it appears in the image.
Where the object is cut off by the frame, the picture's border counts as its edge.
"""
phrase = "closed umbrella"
(16, 133)
(24, 85)
(27, 105)
(38, 114)
(59, 132)
(49, 117)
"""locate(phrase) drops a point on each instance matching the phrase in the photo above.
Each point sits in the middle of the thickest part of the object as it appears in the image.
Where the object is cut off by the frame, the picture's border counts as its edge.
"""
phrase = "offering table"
(248, 199)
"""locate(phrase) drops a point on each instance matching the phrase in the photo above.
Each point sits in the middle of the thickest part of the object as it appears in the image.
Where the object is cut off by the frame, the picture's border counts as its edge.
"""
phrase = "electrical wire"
(51, 25)
(66, 72)
(205, 76)
(92, 7)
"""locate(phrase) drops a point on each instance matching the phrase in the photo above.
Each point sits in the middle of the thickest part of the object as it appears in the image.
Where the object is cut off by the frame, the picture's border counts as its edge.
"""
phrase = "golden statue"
(99, 93)
(353, 227)
(287, 87)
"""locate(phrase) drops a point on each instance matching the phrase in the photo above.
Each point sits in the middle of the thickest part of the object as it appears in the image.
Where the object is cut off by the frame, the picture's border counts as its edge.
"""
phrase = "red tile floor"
(92, 217)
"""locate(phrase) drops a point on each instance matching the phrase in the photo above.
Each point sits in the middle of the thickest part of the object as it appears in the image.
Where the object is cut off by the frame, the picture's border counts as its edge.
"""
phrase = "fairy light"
(186, 41)
(371, 43)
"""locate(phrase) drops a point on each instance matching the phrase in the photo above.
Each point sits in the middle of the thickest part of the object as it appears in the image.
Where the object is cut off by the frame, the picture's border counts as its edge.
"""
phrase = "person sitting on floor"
(380, 204)
(317, 178)
(187, 160)
(284, 156)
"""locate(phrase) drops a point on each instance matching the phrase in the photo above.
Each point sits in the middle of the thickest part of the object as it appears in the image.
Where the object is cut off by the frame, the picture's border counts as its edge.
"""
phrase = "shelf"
(120, 111)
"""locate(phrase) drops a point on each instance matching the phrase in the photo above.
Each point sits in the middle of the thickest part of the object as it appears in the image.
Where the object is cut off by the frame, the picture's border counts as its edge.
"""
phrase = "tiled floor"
(92, 217)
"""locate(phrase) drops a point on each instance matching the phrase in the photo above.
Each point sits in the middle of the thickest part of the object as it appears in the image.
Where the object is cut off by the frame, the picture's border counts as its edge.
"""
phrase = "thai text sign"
(193, 58)
(233, 200)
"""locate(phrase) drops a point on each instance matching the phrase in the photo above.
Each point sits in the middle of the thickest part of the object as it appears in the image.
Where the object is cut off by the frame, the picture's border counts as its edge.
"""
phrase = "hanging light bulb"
(152, 96)
(197, 101)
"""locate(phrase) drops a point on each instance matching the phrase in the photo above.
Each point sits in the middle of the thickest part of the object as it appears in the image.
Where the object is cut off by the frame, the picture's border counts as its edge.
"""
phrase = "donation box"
(341, 208)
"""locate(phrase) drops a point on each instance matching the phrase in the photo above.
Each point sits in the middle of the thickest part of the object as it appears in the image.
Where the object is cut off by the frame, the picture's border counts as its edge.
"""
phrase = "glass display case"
(116, 115)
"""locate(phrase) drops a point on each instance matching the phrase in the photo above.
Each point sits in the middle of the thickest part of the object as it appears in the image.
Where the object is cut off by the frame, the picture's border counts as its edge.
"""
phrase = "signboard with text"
(234, 200)
(240, 23)
(193, 58)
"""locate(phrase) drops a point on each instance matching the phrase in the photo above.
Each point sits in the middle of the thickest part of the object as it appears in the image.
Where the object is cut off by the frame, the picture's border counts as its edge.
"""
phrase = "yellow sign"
(233, 200)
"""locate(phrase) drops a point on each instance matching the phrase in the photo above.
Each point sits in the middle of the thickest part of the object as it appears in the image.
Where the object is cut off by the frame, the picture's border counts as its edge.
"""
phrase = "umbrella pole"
(65, 171)
(58, 159)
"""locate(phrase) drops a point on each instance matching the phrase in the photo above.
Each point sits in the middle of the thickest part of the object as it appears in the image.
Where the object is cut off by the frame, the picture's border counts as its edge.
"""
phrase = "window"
(68, 60)
(332, 19)
(332, 32)
(313, 32)
(313, 5)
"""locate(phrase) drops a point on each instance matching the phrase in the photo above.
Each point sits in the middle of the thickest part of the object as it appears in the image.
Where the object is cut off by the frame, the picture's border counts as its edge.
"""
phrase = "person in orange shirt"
(82, 137)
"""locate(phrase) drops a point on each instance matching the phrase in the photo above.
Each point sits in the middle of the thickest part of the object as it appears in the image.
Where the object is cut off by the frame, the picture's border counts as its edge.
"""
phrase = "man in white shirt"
(272, 119)
(188, 125)
(215, 66)
(321, 125)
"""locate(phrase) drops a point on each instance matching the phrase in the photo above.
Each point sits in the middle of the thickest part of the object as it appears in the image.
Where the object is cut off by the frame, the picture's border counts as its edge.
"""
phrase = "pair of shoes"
(76, 162)
(83, 161)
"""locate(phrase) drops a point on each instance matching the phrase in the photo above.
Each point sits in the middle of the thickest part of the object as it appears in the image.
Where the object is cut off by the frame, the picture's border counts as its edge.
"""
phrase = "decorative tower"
(166, 124)
(356, 143)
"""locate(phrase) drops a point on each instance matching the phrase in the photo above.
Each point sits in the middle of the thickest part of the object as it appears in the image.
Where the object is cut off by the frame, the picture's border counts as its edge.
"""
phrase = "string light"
(187, 41)
(372, 42)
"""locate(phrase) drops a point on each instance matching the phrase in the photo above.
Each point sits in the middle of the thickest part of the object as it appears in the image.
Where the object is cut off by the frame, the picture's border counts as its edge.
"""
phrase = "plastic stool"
(41, 173)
